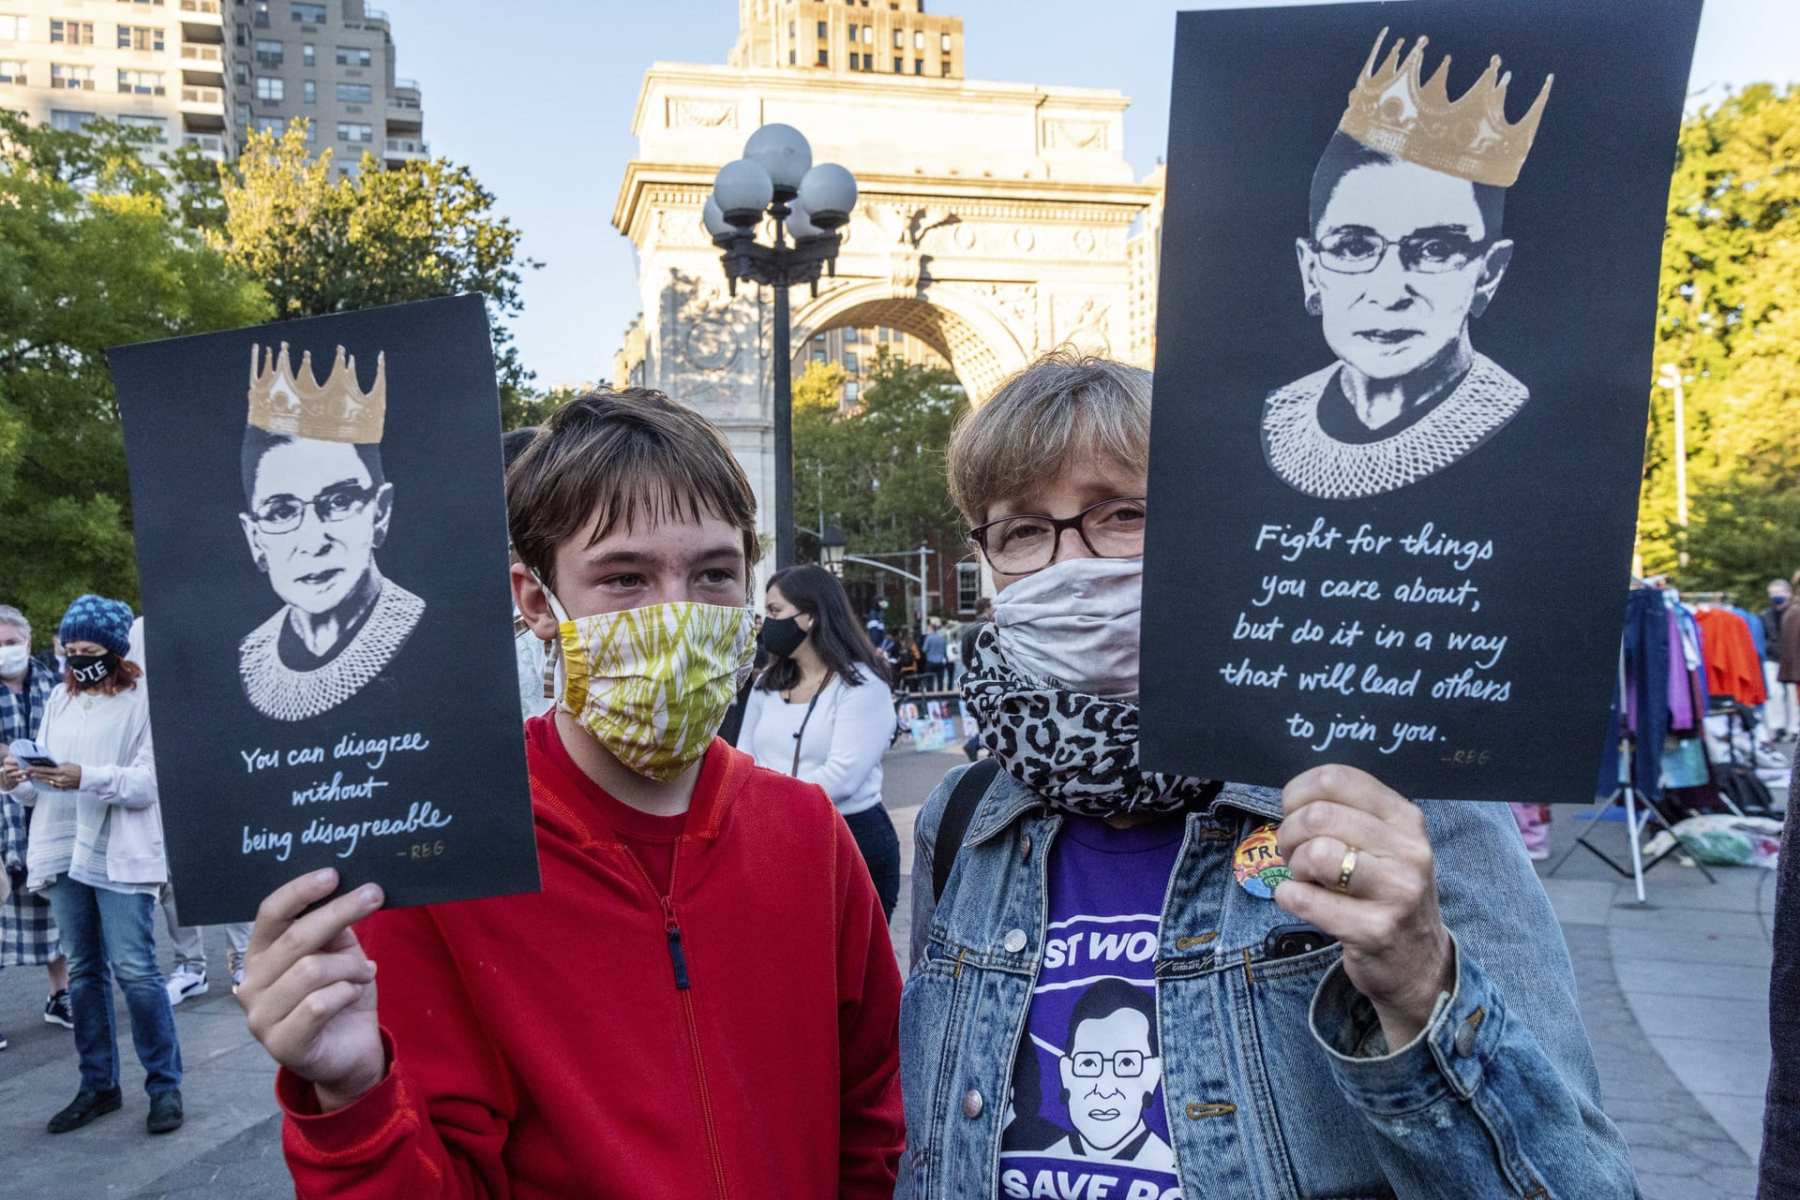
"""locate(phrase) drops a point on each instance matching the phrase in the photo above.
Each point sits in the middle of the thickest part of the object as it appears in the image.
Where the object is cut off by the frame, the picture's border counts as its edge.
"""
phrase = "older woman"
(1120, 992)
(97, 854)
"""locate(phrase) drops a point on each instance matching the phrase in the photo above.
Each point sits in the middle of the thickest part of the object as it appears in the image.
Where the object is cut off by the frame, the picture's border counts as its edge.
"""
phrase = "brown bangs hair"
(615, 459)
(1061, 409)
(121, 680)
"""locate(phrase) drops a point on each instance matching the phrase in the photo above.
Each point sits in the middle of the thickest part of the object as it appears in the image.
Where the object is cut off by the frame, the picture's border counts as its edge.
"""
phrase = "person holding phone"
(96, 852)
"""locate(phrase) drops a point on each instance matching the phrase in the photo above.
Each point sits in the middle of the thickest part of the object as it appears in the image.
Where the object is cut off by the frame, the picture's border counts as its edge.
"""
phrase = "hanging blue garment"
(1648, 661)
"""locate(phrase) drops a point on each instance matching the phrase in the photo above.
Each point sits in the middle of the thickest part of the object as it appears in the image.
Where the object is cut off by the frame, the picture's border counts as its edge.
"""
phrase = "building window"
(12, 70)
(824, 58)
(818, 355)
(918, 39)
(353, 56)
(307, 14)
(899, 39)
(268, 53)
(131, 37)
(241, 72)
(72, 33)
(355, 93)
(852, 391)
(852, 364)
(852, 31)
(883, 333)
(855, 61)
(944, 42)
(350, 131)
(309, 92)
(868, 35)
(823, 31)
(69, 121)
(270, 89)
(946, 68)
(851, 337)
(141, 83)
(157, 3)
(157, 125)
(918, 66)
(14, 29)
(273, 126)
(71, 78)
(309, 55)
(793, 56)
(968, 586)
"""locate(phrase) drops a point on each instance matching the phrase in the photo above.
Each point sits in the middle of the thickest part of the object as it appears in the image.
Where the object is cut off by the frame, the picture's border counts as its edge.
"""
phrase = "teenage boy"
(702, 1001)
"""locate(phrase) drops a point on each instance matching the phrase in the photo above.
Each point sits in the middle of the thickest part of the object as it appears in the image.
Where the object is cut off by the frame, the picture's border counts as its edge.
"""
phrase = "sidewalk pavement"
(1674, 994)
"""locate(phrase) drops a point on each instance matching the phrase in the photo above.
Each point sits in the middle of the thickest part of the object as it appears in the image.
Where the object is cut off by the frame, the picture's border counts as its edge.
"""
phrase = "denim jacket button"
(1025, 848)
(972, 1104)
(1465, 1036)
(1015, 941)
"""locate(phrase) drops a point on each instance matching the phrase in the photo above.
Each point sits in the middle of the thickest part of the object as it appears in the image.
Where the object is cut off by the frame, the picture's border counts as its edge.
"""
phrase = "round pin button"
(1258, 864)
(1015, 941)
(972, 1104)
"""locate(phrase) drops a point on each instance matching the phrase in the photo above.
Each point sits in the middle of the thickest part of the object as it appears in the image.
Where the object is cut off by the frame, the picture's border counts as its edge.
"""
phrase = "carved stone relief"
(701, 112)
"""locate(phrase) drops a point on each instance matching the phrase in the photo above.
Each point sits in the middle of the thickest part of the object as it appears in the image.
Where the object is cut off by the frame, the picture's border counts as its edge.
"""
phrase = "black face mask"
(90, 669)
(782, 636)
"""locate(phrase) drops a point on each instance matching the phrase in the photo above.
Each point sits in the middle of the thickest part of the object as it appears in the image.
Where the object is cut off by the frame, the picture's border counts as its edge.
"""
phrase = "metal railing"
(191, 94)
(407, 146)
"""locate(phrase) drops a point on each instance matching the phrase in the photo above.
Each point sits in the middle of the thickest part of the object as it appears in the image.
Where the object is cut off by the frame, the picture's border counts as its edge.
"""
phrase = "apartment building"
(333, 64)
(858, 349)
(889, 37)
(206, 72)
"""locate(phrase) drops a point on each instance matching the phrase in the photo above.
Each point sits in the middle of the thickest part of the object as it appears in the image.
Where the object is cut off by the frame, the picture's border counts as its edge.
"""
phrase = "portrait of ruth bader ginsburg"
(317, 508)
(1404, 248)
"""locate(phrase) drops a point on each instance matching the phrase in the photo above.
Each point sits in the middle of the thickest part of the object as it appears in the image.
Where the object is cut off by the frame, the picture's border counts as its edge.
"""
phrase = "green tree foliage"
(92, 254)
(879, 465)
(1729, 321)
(323, 245)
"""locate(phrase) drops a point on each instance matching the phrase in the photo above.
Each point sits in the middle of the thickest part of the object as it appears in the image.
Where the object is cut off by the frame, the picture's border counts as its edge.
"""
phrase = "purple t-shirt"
(1086, 1116)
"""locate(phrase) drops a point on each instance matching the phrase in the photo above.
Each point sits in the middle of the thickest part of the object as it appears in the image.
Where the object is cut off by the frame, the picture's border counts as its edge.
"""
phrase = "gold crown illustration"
(1392, 111)
(297, 405)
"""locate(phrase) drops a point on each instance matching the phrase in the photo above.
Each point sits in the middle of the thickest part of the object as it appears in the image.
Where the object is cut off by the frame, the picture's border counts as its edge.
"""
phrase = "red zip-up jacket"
(734, 1038)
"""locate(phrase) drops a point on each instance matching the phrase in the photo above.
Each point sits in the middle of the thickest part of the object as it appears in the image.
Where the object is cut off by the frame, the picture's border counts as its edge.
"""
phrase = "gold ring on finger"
(1346, 869)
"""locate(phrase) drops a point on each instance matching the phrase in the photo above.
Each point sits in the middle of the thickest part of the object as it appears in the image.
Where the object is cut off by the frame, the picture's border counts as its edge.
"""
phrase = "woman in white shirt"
(96, 851)
(822, 711)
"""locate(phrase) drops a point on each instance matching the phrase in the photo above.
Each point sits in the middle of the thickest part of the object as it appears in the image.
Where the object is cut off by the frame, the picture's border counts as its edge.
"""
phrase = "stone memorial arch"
(995, 222)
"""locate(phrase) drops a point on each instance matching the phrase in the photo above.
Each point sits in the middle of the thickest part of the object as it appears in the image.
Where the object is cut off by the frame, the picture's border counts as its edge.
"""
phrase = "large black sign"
(1409, 282)
(321, 542)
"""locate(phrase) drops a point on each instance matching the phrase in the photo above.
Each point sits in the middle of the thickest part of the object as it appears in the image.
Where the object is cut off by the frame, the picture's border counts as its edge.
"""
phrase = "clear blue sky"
(537, 96)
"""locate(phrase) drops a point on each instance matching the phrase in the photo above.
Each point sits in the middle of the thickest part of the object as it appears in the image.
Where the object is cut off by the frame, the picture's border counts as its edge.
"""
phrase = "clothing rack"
(1631, 797)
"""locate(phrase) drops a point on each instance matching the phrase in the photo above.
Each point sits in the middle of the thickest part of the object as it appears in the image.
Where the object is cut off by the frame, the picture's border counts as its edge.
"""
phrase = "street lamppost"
(831, 549)
(1669, 379)
(776, 177)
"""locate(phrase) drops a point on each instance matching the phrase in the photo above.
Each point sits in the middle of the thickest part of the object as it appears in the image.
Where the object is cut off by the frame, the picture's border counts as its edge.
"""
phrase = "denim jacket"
(1277, 1079)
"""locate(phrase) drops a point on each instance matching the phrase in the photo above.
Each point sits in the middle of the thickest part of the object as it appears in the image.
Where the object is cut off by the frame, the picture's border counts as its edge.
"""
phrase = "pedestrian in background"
(97, 853)
(188, 942)
(27, 926)
(937, 657)
(1779, 711)
(822, 711)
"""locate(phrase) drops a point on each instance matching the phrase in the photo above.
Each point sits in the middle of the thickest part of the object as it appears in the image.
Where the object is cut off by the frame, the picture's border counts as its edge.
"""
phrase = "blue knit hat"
(99, 620)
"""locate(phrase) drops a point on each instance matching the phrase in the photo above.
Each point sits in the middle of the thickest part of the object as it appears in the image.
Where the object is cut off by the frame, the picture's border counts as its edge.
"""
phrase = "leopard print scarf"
(1078, 753)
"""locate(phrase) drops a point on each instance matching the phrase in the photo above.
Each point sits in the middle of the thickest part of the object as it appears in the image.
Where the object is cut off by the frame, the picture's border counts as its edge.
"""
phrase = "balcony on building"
(371, 18)
(209, 13)
(212, 145)
(203, 106)
(405, 107)
(405, 150)
(203, 63)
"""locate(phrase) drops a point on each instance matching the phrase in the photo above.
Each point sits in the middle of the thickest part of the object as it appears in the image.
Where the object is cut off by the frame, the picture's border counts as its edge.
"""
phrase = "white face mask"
(13, 660)
(1075, 623)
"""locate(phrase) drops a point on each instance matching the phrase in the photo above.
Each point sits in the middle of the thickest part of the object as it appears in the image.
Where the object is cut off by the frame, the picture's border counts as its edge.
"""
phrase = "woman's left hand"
(64, 777)
(1397, 951)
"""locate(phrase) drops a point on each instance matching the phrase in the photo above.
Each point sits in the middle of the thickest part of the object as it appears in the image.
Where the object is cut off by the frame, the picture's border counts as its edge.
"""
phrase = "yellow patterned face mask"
(652, 684)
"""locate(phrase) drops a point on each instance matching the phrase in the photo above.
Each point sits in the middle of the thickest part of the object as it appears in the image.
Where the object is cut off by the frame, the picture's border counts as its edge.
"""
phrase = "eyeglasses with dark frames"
(1028, 542)
(1358, 251)
(283, 513)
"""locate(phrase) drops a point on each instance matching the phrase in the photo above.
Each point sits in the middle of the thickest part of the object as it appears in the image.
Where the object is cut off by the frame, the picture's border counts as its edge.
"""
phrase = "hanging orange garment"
(1733, 667)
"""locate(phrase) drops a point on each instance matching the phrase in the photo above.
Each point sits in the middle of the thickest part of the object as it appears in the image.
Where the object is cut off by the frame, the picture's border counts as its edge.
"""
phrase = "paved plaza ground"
(1674, 993)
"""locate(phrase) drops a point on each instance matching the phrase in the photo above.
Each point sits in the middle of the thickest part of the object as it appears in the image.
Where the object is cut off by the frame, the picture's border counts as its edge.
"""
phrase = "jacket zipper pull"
(677, 957)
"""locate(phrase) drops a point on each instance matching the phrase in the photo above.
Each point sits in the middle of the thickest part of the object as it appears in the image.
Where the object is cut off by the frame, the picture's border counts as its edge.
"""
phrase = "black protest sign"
(321, 541)
(1409, 279)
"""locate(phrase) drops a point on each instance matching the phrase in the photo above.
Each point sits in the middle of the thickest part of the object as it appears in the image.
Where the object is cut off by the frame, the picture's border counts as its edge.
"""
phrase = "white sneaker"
(236, 962)
(184, 981)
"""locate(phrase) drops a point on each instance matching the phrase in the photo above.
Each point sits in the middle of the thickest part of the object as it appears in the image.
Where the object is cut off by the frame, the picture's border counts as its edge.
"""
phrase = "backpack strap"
(965, 797)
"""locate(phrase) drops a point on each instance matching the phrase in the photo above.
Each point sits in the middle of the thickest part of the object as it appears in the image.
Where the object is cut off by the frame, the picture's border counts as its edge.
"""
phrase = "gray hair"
(1062, 409)
(12, 616)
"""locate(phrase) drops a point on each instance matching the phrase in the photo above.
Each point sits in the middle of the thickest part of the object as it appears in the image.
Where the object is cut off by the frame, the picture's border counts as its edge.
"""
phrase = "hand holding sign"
(309, 990)
(1363, 873)
(11, 773)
